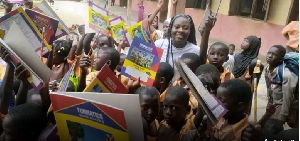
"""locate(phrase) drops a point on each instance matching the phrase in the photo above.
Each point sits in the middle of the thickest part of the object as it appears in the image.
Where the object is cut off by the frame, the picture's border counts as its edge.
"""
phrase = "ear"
(188, 108)
(108, 62)
(242, 106)
(162, 80)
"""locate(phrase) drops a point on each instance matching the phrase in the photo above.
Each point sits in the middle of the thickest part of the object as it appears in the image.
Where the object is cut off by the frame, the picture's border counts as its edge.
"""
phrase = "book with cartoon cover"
(44, 8)
(98, 19)
(106, 82)
(28, 28)
(82, 119)
(142, 61)
(138, 30)
(42, 21)
(117, 28)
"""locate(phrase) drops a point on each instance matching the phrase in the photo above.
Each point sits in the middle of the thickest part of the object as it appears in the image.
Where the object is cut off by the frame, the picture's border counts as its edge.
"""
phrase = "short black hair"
(231, 45)
(191, 56)
(239, 89)
(273, 126)
(29, 117)
(281, 50)
(165, 70)
(207, 69)
(81, 29)
(226, 48)
(149, 91)
(113, 56)
(62, 47)
(179, 92)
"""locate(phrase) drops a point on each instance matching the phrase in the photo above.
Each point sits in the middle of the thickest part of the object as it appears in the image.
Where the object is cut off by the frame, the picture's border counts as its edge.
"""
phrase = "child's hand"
(21, 72)
(75, 40)
(251, 133)
(271, 109)
(85, 63)
(210, 22)
(174, 2)
(53, 85)
(133, 86)
(6, 57)
(161, 4)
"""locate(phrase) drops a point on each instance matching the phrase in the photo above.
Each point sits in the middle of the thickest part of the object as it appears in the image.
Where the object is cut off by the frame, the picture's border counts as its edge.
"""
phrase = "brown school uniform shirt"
(167, 133)
(230, 132)
(193, 101)
(153, 137)
(226, 75)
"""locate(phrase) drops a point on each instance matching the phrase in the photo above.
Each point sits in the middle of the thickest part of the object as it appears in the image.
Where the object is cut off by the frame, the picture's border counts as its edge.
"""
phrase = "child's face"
(103, 42)
(245, 44)
(217, 55)
(181, 30)
(11, 131)
(273, 57)
(100, 60)
(175, 110)
(149, 107)
(165, 28)
(155, 22)
(231, 50)
(229, 102)
(216, 83)
(56, 58)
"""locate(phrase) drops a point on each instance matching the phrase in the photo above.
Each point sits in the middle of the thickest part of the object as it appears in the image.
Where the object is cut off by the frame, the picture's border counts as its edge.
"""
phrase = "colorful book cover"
(81, 119)
(42, 21)
(22, 51)
(98, 19)
(213, 107)
(106, 82)
(138, 30)
(142, 61)
(44, 8)
(28, 29)
(117, 27)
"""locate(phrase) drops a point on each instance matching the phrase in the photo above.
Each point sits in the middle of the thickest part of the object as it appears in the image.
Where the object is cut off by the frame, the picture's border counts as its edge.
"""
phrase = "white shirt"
(177, 53)
(230, 63)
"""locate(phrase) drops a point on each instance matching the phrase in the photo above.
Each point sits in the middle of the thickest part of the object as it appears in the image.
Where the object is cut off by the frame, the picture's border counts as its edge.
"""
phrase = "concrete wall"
(233, 29)
(279, 11)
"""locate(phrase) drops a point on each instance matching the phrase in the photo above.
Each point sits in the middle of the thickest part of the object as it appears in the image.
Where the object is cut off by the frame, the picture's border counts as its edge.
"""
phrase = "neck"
(271, 68)
(179, 44)
(235, 118)
(221, 69)
(163, 88)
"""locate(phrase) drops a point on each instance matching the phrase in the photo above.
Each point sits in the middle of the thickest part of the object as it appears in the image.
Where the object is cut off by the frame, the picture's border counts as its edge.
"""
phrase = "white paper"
(20, 45)
(128, 102)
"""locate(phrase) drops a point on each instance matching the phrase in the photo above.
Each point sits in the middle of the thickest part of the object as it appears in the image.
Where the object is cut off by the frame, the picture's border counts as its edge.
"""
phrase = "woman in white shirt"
(182, 40)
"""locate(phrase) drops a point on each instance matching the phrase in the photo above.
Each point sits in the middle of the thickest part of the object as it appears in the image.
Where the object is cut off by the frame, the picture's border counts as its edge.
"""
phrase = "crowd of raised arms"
(169, 109)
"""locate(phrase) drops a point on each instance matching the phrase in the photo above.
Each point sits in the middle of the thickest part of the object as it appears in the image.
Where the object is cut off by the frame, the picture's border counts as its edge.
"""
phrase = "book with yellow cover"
(83, 119)
(117, 28)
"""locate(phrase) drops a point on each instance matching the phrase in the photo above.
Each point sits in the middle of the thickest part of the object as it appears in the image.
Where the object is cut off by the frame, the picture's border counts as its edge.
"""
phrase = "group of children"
(169, 109)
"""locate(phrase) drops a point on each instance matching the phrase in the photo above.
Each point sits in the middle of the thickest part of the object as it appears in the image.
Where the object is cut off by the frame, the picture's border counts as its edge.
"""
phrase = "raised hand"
(132, 86)
(210, 22)
(174, 2)
(252, 132)
(85, 63)
(161, 4)
(21, 72)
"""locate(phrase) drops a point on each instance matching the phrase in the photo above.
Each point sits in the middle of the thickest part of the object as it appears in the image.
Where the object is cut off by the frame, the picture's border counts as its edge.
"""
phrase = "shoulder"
(161, 43)
(193, 48)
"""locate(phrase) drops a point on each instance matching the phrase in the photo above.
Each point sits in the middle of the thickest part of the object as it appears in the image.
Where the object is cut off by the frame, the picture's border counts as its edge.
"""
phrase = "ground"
(75, 12)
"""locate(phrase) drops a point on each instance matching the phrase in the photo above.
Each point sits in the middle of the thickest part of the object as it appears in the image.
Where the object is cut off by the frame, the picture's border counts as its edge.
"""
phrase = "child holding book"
(149, 100)
(109, 56)
(176, 108)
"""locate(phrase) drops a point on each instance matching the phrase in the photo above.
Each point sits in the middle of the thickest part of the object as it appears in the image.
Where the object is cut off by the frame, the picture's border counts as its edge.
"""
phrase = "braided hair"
(191, 38)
